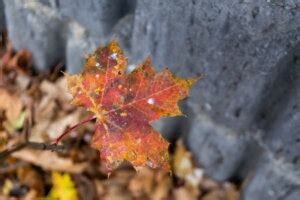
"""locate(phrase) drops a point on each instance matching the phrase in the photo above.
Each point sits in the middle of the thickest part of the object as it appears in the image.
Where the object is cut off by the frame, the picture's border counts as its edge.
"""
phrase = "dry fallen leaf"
(59, 125)
(185, 169)
(231, 191)
(115, 188)
(21, 61)
(23, 82)
(163, 185)
(3, 140)
(53, 113)
(183, 193)
(214, 195)
(50, 161)
(11, 104)
(32, 194)
(7, 55)
(154, 184)
(32, 179)
(142, 184)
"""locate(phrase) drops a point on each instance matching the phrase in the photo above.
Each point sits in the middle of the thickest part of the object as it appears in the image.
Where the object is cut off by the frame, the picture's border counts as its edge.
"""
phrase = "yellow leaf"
(7, 187)
(63, 187)
(20, 121)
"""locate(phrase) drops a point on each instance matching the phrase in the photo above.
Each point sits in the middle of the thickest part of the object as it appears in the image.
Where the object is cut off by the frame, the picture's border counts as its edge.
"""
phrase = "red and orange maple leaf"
(124, 104)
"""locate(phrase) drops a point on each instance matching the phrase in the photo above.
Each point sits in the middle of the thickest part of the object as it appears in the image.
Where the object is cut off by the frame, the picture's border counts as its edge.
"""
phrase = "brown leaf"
(115, 188)
(214, 195)
(185, 169)
(31, 178)
(58, 126)
(231, 191)
(183, 194)
(154, 184)
(142, 184)
(7, 55)
(21, 61)
(11, 104)
(50, 161)
(3, 140)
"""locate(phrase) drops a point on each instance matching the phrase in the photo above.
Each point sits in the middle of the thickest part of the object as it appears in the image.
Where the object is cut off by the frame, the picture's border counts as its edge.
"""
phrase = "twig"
(41, 146)
(91, 118)
(33, 145)
(7, 152)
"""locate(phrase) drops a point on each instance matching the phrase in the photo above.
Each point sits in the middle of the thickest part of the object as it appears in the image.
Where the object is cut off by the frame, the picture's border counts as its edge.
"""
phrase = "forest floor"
(35, 109)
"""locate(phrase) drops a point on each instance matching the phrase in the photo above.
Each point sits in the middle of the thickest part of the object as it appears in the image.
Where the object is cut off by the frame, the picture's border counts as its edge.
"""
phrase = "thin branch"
(32, 145)
(41, 146)
(4, 154)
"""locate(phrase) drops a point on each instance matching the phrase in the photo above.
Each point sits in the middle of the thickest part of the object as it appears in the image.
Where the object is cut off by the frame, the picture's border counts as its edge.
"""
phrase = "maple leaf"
(124, 104)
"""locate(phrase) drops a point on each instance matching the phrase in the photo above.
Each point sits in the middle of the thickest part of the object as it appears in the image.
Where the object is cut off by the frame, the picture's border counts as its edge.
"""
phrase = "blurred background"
(243, 121)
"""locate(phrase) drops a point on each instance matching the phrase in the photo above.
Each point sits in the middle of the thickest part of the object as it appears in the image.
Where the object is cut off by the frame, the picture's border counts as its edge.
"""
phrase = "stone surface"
(2, 16)
(34, 26)
(216, 148)
(243, 116)
(239, 47)
(58, 31)
(79, 44)
(274, 179)
(236, 49)
(248, 54)
(98, 16)
(123, 33)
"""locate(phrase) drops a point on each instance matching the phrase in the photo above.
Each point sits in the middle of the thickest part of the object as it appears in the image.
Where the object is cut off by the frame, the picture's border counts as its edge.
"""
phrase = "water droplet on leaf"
(150, 101)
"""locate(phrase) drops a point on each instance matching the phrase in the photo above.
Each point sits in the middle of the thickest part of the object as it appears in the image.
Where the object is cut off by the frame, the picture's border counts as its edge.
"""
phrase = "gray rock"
(236, 49)
(217, 148)
(2, 16)
(279, 112)
(287, 4)
(38, 28)
(123, 32)
(79, 45)
(274, 179)
(240, 48)
(172, 128)
(99, 17)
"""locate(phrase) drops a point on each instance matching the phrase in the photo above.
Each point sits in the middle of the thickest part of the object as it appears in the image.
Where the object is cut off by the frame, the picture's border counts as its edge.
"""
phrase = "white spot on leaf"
(97, 64)
(113, 56)
(97, 76)
(150, 101)
(131, 68)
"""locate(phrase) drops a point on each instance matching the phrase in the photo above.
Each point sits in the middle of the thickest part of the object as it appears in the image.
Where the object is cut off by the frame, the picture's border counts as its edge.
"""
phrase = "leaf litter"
(77, 173)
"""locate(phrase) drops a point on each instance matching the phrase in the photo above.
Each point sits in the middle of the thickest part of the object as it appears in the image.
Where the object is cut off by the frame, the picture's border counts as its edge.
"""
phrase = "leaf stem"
(91, 118)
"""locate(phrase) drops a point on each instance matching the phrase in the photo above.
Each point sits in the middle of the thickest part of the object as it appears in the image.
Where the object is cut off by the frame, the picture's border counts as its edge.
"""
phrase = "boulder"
(243, 51)
(2, 16)
(36, 27)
